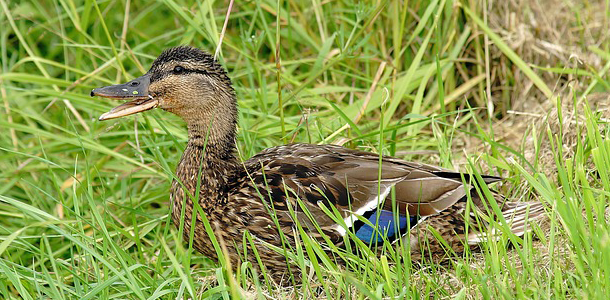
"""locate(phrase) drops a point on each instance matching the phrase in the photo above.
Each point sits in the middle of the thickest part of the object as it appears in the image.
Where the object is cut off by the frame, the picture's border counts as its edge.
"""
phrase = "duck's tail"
(519, 216)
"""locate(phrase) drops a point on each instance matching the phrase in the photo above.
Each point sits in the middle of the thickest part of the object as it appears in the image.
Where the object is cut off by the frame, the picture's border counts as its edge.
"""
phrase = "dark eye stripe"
(158, 74)
(187, 71)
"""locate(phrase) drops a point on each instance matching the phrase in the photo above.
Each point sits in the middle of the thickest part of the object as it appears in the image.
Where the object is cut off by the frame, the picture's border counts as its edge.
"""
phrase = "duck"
(335, 194)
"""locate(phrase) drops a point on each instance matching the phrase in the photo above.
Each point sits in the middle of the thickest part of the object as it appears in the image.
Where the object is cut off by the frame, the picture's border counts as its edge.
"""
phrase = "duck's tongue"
(135, 90)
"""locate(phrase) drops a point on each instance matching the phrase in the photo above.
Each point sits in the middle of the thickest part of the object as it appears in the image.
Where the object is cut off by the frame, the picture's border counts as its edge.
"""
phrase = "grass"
(84, 204)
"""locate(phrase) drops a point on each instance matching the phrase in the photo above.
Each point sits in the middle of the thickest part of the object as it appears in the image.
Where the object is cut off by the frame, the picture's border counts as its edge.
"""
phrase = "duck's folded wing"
(356, 184)
(418, 191)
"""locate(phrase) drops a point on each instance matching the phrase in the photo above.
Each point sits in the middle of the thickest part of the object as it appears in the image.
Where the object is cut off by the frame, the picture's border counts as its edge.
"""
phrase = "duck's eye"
(178, 70)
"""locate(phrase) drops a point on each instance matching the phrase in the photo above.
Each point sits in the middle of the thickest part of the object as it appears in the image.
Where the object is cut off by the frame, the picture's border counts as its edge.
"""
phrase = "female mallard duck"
(237, 196)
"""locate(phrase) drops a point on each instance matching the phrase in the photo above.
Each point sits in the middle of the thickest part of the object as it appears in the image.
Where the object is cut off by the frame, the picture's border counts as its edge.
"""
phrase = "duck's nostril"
(134, 83)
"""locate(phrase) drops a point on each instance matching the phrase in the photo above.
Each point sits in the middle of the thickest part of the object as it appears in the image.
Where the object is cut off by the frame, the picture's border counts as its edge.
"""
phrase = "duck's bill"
(136, 91)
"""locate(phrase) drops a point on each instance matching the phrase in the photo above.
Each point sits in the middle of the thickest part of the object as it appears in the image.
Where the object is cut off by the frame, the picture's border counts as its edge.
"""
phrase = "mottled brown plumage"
(240, 196)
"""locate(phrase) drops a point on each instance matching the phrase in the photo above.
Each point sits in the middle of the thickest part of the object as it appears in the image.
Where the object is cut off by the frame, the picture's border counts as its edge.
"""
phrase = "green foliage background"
(84, 204)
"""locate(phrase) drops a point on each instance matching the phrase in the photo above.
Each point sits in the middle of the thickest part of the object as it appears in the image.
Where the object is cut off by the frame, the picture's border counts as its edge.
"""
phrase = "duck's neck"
(219, 143)
(209, 159)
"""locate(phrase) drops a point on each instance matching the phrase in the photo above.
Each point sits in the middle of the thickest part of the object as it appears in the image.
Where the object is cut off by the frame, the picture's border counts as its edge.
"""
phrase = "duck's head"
(183, 80)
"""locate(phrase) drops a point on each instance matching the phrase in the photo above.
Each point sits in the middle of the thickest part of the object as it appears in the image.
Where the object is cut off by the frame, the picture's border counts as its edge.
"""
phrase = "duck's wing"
(355, 183)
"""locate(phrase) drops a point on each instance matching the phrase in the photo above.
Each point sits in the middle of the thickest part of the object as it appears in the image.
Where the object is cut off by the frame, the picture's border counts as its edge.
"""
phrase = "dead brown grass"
(545, 34)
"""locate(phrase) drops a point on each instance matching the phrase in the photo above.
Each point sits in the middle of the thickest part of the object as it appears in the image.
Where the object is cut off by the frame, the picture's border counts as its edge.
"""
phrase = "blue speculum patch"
(387, 225)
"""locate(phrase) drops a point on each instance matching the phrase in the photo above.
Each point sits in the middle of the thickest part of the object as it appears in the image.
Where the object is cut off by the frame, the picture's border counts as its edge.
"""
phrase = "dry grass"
(548, 34)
